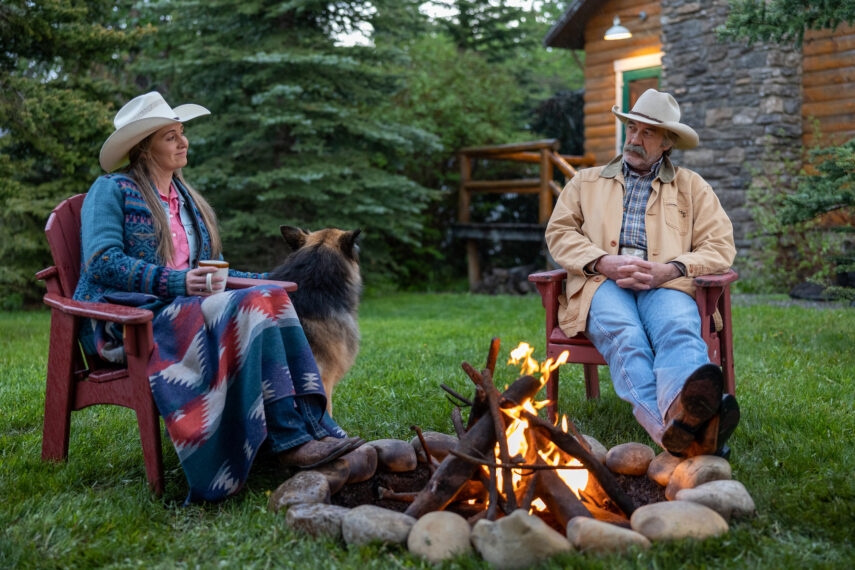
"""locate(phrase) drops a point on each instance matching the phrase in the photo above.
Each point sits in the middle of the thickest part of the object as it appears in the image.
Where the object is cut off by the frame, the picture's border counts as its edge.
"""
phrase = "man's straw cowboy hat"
(661, 110)
(138, 118)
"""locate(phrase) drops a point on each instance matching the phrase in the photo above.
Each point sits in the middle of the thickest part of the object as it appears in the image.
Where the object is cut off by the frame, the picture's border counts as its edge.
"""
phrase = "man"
(632, 235)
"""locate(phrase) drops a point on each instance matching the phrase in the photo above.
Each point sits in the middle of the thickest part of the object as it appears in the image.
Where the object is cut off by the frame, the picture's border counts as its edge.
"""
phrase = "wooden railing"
(543, 152)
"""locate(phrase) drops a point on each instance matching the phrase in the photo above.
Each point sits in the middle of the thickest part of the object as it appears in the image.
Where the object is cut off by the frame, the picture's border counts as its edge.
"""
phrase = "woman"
(230, 370)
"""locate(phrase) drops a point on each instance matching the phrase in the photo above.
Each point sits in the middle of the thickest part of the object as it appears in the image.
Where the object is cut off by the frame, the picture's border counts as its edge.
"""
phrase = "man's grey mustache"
(638, 149)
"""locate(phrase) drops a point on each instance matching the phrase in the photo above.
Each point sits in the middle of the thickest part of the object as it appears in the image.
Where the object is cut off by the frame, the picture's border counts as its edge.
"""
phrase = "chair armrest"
(556, 275)
(47, 272)
(716, 280)
(247, 282)
(102, 311)
(700, 280)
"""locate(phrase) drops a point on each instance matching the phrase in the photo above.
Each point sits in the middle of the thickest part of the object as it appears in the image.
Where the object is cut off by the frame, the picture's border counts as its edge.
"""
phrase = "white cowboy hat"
(661, 110)
(137, 119)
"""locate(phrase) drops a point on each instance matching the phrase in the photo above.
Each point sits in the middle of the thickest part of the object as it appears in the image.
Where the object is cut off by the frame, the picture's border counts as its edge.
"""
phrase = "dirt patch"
(641, 489)
(367, 492)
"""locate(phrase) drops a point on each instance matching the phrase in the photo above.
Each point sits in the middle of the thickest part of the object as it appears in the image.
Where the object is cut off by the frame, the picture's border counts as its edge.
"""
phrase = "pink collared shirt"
(180, 245)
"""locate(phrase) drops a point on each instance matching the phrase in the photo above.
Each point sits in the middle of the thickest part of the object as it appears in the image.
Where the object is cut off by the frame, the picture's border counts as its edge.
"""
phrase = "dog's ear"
(348, 246)
(294, 237)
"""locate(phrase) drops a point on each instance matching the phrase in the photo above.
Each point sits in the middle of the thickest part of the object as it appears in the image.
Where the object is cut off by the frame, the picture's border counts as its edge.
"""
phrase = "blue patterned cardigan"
(119, 248)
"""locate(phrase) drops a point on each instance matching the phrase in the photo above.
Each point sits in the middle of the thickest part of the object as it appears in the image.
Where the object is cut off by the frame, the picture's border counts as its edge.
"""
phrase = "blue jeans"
(652, 342)
(293, 421)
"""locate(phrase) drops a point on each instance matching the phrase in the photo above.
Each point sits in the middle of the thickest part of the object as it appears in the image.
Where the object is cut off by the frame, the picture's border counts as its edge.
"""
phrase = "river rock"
(630, 458)
(598, 450)
(662, 467)
(395, 455)
(697, 471)
(440, 535)
(677, 519)
(362, 463)
(438, 443)
(337, 474)
(519, 540)
(316, 519)
(367, 523)
(592, 535)
(728, 498)
(304, 487)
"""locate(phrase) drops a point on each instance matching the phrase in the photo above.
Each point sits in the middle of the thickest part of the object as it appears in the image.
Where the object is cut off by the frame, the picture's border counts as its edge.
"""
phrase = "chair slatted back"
(63, 236)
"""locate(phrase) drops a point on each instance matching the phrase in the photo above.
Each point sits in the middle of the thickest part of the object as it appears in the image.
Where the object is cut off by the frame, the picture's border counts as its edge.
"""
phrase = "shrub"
(804, 218)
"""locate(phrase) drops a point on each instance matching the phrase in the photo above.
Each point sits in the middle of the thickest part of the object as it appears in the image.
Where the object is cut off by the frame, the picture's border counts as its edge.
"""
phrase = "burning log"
(457, 422)
(388, 494)
(425, 448)
(453, 472)
(473, 374)
(462, 399)
(499, 429)
(559, 499)
(528, 493)
(493, 355)
(607, 516)
(488, 483)
(512, 465)
(473, 489)
(569, 445)
(479, 406)
(494, 495)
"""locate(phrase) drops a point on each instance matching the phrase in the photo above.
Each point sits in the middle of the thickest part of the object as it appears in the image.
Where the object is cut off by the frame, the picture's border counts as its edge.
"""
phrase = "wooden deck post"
(473, 267)
(545, 207)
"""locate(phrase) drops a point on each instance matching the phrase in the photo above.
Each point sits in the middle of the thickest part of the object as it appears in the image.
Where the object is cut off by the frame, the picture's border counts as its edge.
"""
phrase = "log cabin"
(752, 106)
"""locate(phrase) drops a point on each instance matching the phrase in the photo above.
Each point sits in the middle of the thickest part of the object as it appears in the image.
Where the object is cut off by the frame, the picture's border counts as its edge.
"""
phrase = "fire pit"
(506, 460)
(529, 462)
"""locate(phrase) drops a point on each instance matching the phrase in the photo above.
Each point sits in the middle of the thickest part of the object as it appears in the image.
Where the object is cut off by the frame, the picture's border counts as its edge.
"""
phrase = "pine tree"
(57, 96)
(295, 136)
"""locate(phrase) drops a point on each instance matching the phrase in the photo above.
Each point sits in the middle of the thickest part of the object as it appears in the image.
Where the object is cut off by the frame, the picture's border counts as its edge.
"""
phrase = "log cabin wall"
(600, 55)
(828, 85)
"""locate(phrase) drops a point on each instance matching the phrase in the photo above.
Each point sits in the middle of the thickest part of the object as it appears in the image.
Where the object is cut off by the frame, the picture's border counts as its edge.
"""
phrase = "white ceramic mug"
(222, 272)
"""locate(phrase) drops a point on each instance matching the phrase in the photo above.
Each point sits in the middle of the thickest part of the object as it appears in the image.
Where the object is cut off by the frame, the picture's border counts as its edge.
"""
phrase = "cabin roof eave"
(569, 31)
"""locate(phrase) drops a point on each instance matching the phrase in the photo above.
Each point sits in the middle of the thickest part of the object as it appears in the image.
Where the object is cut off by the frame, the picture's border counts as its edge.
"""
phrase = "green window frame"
(630, 76)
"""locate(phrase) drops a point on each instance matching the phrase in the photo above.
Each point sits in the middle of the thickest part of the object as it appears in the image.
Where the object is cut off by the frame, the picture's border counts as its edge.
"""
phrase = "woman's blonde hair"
(140, 157)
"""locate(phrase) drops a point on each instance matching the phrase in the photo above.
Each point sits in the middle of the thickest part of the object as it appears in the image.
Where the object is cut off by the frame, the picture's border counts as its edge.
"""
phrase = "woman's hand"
(196, 281)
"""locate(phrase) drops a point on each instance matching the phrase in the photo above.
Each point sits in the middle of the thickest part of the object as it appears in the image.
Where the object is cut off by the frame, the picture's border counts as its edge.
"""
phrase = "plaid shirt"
(635, 196)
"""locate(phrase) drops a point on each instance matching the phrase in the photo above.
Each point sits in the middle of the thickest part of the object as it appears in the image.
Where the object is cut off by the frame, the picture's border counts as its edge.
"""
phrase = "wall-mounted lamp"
(619, 32)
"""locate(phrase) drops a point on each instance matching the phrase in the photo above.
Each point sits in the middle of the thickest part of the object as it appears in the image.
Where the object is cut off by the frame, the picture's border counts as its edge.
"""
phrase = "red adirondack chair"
(713, 299)
(76, 380)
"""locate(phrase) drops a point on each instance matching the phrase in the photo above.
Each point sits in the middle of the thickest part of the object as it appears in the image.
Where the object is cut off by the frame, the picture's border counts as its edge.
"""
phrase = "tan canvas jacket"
(685, 222)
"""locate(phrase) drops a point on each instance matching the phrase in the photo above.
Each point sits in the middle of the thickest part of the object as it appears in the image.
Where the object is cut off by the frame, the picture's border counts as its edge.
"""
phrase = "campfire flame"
(521, 356)
(516, 437)
(575, 479)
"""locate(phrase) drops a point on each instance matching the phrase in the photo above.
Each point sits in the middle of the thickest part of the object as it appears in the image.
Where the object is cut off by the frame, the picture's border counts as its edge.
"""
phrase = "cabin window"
(636, 82)
(633, 76)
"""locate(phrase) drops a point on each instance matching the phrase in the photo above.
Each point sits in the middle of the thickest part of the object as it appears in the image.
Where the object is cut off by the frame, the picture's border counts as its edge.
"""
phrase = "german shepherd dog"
(325, 266)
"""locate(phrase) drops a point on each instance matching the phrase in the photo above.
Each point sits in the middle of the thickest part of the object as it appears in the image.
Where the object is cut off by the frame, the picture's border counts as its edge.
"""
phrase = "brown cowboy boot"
(315, 453)
(698, 402)
(711, 439)
(705, 441)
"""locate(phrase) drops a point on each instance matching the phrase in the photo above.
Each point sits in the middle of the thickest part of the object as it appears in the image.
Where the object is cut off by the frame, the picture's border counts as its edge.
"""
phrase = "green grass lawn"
(793, 449)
